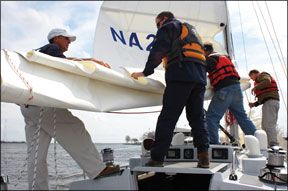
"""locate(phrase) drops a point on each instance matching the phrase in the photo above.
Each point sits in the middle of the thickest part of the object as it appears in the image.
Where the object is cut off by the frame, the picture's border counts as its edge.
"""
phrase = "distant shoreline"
(131, 143)
(94, 143)
(13, 141)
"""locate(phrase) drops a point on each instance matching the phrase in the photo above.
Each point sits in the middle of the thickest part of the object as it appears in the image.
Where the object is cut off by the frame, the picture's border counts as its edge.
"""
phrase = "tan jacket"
(264, 81)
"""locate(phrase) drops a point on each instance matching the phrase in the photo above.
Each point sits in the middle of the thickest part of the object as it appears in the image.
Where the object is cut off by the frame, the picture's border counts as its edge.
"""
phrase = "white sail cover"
(126, 29)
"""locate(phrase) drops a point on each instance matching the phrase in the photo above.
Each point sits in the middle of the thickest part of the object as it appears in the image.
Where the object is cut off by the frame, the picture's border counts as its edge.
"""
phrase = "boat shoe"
(154, 163)
(109, 170)
(203, 160)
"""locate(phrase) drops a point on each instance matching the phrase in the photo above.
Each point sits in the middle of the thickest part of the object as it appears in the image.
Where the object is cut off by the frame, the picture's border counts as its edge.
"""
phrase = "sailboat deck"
(183, 167)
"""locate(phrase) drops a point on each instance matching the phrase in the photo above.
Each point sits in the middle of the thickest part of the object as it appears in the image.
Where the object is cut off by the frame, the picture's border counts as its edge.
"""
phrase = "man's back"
(52, 50)
(177, 70)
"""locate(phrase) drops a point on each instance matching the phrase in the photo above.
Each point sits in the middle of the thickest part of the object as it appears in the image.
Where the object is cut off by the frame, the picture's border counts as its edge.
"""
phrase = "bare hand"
(253, 91)
(101, 63)
(251, 105)
(136, 75)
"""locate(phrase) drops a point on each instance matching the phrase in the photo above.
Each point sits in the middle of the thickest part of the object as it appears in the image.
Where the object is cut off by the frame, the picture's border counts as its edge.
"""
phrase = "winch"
(275, 170)
(107, 155)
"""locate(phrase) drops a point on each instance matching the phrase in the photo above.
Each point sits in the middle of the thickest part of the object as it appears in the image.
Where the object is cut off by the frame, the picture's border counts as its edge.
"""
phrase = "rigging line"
(36, 148)
(55, 146)
(269, 54)
(243, 40)
(276, 36)
(143, 112)
(245, 52)
(272, 40)
(34, 137)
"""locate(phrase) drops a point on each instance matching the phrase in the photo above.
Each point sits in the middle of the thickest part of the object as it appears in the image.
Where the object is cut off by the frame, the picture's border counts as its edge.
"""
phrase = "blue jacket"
(186, 71)
(52, 50)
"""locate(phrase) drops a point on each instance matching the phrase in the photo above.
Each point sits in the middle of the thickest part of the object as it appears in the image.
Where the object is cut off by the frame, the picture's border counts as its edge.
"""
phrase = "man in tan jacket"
(266, 91)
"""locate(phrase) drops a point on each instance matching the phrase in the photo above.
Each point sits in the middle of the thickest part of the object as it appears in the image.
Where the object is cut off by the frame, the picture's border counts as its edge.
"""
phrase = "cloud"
(25, 25)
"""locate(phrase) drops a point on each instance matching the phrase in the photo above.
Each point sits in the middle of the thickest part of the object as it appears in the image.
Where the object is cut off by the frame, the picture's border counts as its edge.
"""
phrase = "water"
(13, 157)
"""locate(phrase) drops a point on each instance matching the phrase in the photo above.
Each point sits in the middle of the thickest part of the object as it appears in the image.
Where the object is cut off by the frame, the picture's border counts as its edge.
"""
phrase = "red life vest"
(224, 68)
(272, 87)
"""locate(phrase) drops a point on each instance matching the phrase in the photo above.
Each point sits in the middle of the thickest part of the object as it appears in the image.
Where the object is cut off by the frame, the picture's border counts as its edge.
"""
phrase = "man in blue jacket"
(184, 61)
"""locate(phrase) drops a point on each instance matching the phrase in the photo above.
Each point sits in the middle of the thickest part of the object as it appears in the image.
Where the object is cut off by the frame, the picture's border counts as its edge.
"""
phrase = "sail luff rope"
(245, 53)
(20, 75)
(272, 39)
(37, 147)
(269, 54)
(285, 66)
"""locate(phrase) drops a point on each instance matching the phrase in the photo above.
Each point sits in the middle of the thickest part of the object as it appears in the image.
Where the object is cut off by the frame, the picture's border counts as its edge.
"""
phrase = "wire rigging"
(285, 66)
(269, 54)
(244, 46)
(272, 39)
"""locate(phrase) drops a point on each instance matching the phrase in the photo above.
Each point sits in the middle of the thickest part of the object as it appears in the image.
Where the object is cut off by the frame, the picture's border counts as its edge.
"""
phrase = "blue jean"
(231, 98)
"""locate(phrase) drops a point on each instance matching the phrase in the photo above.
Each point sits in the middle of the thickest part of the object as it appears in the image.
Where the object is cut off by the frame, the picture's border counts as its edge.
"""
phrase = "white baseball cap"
(60, 32)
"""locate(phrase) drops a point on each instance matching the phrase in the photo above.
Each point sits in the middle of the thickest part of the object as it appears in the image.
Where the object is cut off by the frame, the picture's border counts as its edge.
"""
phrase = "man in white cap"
(69, 130)
(59, 40)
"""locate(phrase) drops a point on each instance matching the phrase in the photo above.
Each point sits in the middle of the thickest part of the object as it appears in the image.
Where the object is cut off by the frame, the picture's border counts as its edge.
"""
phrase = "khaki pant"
(70, 134)
(269, 120)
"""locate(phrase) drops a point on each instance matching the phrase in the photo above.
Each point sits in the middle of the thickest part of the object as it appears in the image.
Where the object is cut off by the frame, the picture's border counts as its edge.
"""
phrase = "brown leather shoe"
(203, 160)
(154, 163)
(148, 144)
(109, 170)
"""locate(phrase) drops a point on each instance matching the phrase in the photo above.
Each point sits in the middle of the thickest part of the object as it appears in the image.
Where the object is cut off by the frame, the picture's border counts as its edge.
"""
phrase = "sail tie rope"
(20, 75)
(36, 148)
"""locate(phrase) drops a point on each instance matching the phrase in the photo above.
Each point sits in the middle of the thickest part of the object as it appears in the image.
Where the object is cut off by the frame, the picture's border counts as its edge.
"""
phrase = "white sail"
(126, 29)
(124, 33)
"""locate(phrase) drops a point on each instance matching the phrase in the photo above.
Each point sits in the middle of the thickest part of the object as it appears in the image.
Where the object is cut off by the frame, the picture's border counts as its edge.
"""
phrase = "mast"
(228, 35)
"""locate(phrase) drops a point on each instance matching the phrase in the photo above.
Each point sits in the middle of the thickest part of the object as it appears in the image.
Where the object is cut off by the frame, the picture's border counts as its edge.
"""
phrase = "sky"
(25, 24)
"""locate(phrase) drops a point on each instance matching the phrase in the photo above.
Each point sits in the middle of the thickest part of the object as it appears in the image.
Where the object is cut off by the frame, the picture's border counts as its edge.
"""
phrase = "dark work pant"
(176, 96)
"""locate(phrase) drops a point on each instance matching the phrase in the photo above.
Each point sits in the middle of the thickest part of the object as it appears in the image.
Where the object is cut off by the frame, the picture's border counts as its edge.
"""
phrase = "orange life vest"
(188, 47)
(272, 87)
(224, 68)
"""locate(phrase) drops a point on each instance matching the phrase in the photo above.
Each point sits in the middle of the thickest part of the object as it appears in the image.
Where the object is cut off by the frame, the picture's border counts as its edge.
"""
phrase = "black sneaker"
(154, 163)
